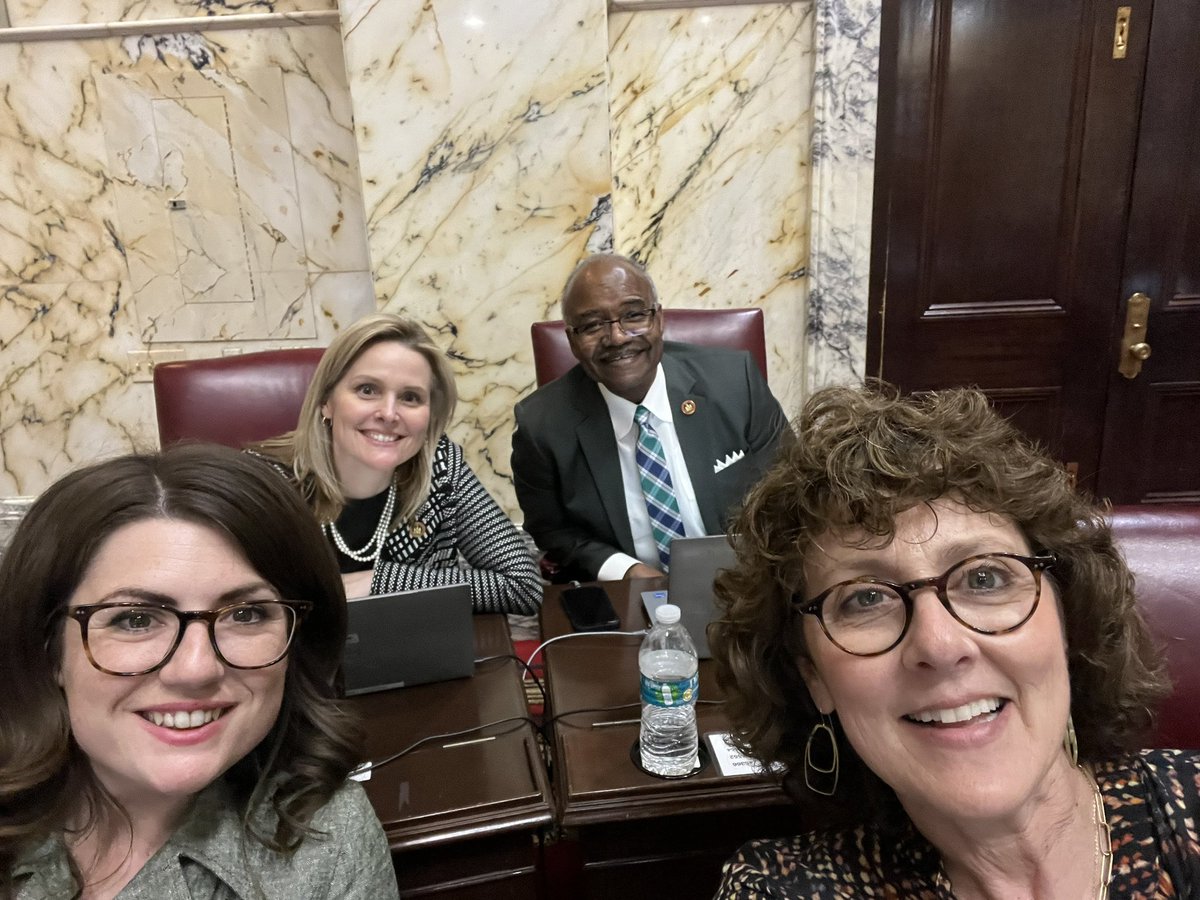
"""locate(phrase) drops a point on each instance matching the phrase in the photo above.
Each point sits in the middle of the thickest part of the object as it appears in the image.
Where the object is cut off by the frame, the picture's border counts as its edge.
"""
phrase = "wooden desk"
(639, 833)
(461, 813)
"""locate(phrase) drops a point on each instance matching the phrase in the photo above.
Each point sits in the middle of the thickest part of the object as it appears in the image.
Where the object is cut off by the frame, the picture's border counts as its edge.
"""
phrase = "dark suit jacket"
(565, 465)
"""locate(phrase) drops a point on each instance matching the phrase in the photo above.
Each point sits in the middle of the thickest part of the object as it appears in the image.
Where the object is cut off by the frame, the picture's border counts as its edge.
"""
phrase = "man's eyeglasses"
(633, 323)
(133, 638)
(992, 593)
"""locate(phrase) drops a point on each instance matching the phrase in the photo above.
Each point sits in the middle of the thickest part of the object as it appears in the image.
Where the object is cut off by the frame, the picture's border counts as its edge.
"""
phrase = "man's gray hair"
(587, 262)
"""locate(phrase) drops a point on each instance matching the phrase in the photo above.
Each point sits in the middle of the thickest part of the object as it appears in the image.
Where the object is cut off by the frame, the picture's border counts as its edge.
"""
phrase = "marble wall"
(845, 99)
(172, 188)
(499, 144)
(729, 147)
(483, 138)
(710, 134)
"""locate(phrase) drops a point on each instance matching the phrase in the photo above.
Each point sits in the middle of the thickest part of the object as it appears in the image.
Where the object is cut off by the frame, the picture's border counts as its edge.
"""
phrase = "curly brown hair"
(863, 456)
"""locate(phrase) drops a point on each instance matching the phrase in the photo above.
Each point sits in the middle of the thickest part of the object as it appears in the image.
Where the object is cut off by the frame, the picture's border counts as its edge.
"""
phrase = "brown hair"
(313, 744)
(308, 451)
(863, 456)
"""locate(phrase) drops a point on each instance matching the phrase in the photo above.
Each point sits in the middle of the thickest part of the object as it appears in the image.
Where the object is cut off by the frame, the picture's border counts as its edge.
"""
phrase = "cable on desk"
(438, 737)
(594, 709)
(574, 634)
(590, 709)
(525, 665)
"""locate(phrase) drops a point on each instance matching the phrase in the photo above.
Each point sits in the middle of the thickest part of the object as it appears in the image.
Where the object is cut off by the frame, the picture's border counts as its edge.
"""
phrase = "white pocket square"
(722, 464)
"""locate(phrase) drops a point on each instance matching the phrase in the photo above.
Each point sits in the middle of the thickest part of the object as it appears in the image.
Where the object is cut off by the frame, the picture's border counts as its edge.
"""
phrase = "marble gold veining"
(22, 13)
(483, 140)
(499, 144)
(710, 142)
(65, 381)
(252, 129)
(207, 202)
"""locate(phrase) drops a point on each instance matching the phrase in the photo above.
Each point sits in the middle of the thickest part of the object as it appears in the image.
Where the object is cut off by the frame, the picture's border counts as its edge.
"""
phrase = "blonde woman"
(394, 495)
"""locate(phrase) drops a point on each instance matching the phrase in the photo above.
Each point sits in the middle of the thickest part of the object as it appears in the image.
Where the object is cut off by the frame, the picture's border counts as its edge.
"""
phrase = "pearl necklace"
(370, 552)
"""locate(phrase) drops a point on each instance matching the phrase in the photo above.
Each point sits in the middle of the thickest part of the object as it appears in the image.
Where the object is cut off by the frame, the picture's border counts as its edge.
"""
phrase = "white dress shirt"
(625, 430)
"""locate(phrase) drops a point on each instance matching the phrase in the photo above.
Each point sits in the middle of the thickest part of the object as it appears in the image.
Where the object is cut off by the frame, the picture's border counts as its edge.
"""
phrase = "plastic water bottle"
(670, 688)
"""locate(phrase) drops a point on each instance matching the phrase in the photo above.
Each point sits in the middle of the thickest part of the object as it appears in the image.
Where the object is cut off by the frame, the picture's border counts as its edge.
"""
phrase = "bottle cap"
(667, 614)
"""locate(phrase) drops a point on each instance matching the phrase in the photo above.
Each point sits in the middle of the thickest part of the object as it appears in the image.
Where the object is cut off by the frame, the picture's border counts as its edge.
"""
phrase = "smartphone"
(589, 609)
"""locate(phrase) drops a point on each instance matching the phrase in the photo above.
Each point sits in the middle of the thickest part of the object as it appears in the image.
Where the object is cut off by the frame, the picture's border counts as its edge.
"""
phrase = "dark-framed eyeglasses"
(137, 638)
(989, 593)
(632, 324)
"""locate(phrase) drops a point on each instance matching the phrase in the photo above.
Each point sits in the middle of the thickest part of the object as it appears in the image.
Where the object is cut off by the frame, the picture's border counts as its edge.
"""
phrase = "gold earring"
(822, 780)
(1070, 742)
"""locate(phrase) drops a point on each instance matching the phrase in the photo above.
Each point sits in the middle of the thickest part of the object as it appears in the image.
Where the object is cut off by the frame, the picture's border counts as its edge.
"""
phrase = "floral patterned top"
(1152, 801)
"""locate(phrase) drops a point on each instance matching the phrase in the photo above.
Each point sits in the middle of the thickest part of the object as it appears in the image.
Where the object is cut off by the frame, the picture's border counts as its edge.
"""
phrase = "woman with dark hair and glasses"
(170, 628)
(935, 638)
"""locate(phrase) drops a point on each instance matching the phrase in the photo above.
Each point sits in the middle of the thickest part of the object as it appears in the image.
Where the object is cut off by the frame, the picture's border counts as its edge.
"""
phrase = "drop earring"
(1070, 742)
(821, 779)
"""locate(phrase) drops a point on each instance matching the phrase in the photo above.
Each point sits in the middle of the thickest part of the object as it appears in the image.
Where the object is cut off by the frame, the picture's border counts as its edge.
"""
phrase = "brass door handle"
(1134, 348)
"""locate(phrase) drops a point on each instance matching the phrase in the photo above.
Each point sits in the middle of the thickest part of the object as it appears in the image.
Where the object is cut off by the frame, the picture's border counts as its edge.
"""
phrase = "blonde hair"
(308, 450)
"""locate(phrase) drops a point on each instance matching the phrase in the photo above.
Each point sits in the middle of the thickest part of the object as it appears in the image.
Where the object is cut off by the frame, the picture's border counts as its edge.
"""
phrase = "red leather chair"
(741, 329)
(1161, 543)
(232, 400)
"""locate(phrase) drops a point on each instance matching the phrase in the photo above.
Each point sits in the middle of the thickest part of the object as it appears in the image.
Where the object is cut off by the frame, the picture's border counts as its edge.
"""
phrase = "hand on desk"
(641, 570)
(358, 584)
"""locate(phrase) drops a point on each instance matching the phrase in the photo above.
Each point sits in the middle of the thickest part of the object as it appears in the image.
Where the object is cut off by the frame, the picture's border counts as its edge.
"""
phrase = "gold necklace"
(1103, 839)
(1104, 853)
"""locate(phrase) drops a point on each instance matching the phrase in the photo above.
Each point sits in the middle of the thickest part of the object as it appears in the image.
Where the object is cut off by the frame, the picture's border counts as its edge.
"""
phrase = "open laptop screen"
(412, 637)
(695, 562)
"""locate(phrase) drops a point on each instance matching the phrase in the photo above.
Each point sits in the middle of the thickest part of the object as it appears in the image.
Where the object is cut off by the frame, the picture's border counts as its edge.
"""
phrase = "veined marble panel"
(71, 12)
(846, 90)
(483, 139)
(710, 143)
(56, 201)
(70, 315)
(208, 205)
(66, 382)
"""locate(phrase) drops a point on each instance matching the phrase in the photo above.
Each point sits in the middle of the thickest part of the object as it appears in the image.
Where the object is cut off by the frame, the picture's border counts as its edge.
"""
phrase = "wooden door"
(1152, 422)
(1007, 137)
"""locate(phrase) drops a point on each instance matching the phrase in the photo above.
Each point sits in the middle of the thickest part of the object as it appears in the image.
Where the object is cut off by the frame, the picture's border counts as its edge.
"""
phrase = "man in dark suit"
(578, 441)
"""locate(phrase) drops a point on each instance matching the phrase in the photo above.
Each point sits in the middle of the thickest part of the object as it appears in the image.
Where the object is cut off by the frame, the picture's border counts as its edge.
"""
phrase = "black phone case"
(589, 609)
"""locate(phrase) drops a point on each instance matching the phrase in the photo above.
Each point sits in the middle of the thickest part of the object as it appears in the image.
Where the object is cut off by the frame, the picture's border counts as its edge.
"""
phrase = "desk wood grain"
(460, 812)
(595, 779)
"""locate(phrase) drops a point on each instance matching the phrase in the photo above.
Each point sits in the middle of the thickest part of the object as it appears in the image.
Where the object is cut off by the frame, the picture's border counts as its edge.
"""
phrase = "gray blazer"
(209, 857)
(565, 465)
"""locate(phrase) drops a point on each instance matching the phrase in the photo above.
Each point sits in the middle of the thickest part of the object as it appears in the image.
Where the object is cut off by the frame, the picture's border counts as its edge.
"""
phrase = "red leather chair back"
(1161, 543)
(232, 400)
(739, 329)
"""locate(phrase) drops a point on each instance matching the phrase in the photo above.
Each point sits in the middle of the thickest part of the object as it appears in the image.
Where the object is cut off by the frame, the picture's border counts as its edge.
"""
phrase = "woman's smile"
(378, 416)
(173, 731)
(942, 715)
(957, 715)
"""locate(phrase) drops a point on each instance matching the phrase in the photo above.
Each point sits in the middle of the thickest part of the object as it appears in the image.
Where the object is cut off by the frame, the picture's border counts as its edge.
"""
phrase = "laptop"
(695, 562)
(407, 638)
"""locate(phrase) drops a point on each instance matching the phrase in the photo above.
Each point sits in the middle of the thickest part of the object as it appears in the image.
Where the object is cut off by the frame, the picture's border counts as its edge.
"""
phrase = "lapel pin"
(417, 530)
(687, 407)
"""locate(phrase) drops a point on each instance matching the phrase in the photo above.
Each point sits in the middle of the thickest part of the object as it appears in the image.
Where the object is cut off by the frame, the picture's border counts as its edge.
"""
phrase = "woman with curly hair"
(935, 637)
(170, 629)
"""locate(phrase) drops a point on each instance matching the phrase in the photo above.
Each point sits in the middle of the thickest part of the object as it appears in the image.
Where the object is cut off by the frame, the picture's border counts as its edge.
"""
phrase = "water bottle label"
(671, 693)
